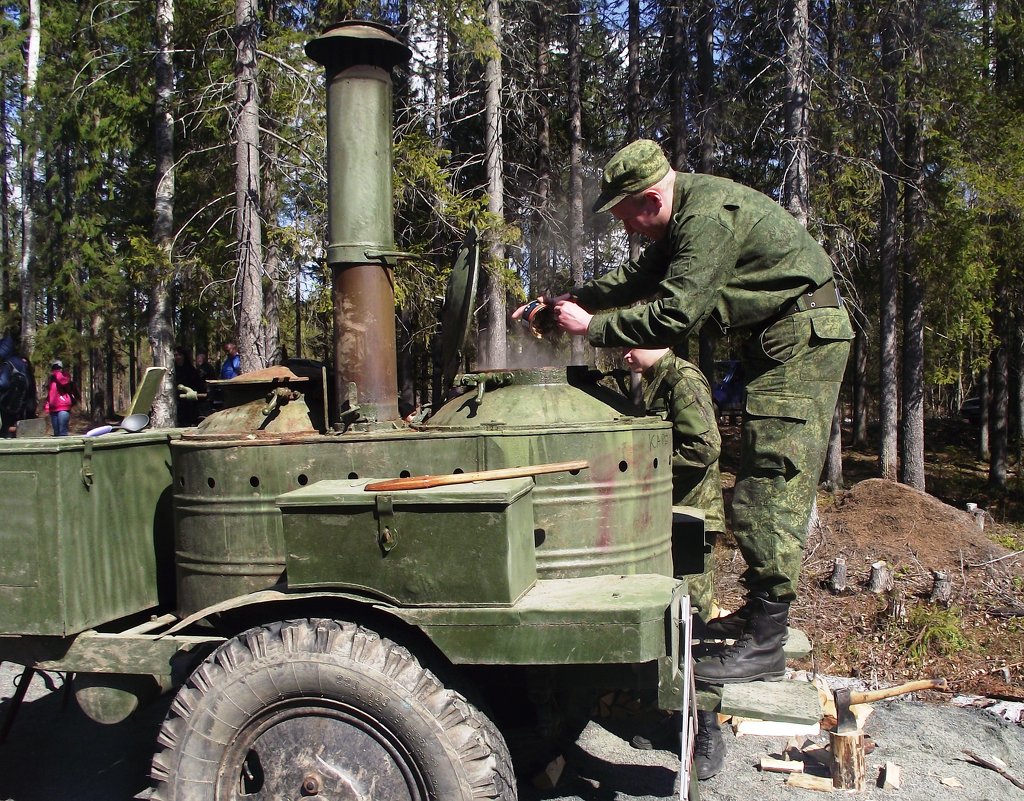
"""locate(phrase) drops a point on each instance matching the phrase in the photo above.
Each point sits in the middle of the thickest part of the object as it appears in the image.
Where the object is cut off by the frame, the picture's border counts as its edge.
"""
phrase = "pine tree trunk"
(575, 161)
(912, 419)
(999, 421)
(159, 312)
(798, 84)
(248, 226)
(887, 251)
(705, 117)
(28, 176)
(680, 59)
(494, 343)
(540, 252)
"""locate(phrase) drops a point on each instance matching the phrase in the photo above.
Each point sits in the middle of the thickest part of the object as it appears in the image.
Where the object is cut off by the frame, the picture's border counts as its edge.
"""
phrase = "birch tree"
(160, 311)
(28, 170)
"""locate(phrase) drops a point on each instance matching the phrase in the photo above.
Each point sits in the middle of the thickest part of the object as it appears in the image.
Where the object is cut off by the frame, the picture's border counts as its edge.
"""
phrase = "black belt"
(824, 297)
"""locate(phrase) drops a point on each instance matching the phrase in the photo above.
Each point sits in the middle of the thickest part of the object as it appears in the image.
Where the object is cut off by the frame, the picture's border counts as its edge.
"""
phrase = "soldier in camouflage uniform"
(676, 390)
(725, 255)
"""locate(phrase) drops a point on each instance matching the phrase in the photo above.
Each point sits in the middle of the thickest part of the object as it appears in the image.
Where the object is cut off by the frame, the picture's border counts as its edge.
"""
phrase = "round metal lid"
(458, 306)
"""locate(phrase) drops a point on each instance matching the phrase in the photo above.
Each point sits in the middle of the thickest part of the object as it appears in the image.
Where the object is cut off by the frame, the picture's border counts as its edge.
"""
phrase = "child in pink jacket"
(61, 395)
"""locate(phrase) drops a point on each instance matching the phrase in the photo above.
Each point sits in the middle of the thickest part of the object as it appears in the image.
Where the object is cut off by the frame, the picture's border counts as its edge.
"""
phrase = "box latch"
(387, 532)
(87, 472)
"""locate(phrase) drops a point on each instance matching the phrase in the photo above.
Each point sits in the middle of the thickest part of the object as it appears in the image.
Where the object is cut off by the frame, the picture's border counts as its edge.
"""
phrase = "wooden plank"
(785, 701)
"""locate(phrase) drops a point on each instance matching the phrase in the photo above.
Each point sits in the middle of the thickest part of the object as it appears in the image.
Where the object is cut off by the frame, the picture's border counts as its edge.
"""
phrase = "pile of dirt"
(975, 640)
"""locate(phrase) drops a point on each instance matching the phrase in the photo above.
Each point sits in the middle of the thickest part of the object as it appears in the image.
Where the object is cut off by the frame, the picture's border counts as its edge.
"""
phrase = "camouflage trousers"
(794, 369)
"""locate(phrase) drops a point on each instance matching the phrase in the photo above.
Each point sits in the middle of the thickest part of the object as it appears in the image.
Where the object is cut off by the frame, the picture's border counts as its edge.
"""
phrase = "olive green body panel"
(596, 620)
(86, 530)
(614, 517)
(464, 544)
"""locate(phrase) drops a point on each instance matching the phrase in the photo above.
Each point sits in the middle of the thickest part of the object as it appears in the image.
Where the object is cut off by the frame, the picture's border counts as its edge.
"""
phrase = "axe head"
(846, 721)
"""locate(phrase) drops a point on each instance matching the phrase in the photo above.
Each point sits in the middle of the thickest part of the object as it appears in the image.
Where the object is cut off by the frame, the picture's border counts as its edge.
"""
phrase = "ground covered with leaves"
(975, 639)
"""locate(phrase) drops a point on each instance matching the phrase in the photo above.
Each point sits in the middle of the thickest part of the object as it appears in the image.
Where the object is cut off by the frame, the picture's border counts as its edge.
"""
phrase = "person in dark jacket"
(187, 376)
(729, 257)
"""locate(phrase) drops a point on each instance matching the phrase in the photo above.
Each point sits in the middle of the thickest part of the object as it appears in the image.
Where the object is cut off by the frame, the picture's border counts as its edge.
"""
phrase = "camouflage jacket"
(731, 254)
(676, 390)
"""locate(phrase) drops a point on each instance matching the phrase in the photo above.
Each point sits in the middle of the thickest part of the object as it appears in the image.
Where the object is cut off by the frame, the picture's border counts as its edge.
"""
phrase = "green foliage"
(931, 630)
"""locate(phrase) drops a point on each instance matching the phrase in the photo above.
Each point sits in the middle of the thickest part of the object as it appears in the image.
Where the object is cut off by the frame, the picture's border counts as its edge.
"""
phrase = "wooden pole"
(425, 482)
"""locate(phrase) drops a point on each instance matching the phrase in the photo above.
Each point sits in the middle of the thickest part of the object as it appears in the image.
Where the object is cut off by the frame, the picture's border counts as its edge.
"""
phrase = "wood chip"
(951, 781)
(770, 765)
(891, 776)
(548, 778)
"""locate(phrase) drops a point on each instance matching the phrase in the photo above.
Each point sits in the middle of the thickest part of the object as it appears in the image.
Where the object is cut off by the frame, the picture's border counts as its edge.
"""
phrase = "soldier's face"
(640, 214)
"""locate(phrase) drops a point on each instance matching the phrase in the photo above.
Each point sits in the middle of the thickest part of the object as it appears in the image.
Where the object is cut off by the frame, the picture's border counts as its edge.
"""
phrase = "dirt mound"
(879, 519)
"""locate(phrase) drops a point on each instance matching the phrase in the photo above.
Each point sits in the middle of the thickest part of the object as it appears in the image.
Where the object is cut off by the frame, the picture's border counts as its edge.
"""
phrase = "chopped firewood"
(770, 765)
(996, 764)
(806, 781)
(891, 776)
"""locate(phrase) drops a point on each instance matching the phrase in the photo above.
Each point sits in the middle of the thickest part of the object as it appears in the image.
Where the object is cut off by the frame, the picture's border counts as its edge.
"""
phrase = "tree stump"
(849, 767)
(897, 606)
(942, 588)
(881, 578)
(837, 582)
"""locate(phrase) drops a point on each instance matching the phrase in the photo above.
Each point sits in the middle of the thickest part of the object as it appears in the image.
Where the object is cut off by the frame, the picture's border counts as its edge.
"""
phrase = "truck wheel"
(308, 708)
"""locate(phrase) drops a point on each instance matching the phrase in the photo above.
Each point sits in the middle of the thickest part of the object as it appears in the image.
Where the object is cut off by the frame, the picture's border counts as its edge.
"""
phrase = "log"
(837, 583)
(881, 578)
(806, 781)
(849, 767)
(942, 588)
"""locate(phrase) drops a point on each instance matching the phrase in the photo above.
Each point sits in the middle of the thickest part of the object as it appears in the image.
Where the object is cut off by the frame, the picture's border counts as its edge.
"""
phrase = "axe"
(847, 764)
(845, 698)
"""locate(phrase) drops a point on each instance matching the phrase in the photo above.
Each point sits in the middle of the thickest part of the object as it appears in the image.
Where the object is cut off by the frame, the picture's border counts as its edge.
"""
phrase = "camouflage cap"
(638, 166)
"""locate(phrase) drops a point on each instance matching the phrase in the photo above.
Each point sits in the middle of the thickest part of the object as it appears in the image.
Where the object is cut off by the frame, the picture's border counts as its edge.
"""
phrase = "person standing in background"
(61, 395)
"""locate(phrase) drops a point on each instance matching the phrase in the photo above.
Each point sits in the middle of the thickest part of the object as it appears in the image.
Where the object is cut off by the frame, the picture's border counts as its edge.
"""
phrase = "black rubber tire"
(331, 704)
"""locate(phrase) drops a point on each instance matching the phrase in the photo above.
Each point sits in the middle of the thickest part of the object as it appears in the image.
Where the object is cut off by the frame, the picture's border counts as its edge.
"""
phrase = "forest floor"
(976, 640)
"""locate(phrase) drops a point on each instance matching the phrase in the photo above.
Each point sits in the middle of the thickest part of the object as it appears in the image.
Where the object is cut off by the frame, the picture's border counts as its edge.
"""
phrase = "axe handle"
(425, 482)
(888, 692)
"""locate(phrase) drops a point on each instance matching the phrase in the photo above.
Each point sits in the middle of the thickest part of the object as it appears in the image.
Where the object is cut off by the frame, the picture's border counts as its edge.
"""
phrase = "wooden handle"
(424, 482)
(888, 692)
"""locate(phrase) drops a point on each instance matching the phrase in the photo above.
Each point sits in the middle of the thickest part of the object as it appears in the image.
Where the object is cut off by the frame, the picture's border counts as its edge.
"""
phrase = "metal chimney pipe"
(358, 58)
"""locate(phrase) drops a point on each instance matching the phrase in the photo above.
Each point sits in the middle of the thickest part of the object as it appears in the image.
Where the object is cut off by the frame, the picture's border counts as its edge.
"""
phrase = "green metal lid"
(457, 313)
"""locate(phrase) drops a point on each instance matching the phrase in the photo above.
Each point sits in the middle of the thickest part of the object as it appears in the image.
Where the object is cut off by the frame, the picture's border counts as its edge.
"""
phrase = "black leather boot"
(731, 626)
(757, 653)
(709, 746)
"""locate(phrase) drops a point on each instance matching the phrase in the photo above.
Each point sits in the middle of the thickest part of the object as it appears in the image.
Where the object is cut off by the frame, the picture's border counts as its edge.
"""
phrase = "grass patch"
(933, 632)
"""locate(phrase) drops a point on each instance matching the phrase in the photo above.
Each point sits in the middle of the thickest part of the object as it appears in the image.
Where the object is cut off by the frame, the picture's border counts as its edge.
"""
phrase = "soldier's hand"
(571, 317)
(545, 299)
(187, 393)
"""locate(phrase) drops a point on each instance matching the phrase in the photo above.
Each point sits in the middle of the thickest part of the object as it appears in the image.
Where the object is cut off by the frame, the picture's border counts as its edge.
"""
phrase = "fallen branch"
(997, 559)
(997, 766)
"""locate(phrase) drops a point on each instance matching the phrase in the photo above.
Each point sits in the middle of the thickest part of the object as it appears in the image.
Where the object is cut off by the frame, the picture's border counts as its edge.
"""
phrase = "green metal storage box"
(84, 522)
(447, 546)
